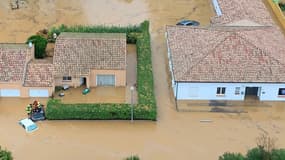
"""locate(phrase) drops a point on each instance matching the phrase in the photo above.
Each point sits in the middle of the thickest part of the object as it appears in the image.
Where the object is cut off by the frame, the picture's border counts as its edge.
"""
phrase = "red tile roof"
(235, 10)
(77, 53)
(221, 55)
(242, 45)
(14, 58)
(39, 74)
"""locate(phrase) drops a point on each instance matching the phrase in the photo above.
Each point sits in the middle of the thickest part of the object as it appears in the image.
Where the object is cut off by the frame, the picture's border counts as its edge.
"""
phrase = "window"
(281, 92)
(237, 91)
(221, 91)
(66, 78)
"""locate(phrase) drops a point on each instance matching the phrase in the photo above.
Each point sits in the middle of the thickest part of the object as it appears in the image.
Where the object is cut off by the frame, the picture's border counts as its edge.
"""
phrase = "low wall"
(277, 11)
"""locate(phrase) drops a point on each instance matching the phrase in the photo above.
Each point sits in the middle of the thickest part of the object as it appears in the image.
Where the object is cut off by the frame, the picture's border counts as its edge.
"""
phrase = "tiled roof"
(13, 60)
(235, 10)
(77, 53)
(225, 55)
(39, 74)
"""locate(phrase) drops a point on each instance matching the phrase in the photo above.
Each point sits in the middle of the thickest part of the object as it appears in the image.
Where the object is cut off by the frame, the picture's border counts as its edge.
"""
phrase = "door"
(38, 93)
(9, 93)
(105, 80)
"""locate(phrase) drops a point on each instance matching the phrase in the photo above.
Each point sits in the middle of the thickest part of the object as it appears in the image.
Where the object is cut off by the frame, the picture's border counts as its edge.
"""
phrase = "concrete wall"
(75, 81)
(207, 91)
(24, 91)
(120, 78)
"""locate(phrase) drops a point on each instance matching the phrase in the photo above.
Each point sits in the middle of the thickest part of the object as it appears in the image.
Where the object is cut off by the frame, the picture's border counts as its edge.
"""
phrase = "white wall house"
(228, 91)
(227, 62)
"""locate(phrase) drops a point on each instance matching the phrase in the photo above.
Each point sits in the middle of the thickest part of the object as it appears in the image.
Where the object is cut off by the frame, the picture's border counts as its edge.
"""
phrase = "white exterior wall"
(207, 91)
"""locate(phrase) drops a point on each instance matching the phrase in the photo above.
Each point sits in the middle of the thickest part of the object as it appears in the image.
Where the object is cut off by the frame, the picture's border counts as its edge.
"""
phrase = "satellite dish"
(30, 44)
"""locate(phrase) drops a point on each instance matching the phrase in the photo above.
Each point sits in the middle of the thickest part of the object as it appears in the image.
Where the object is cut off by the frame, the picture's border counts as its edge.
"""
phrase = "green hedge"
(129, 30)
(146, 107)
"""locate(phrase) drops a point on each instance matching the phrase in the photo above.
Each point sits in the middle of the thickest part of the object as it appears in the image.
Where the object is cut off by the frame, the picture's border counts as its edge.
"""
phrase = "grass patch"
(146, 107)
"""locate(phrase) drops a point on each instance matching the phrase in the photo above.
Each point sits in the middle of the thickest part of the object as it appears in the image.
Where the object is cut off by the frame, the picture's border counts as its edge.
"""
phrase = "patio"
(106, 94)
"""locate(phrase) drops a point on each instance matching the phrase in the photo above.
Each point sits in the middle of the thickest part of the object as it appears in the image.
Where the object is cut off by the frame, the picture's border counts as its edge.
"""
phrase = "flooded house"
(23, 76)
(91, 59)
(240, 55)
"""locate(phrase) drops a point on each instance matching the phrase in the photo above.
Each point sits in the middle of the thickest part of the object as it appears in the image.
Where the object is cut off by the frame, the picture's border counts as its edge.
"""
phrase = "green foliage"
(40, 45)
(5, 155)
(146, 107)
(282, 6)
(132, 158)
(256, 153)
(101, 111)
(232, 156)
(129, 30)
(278, 154)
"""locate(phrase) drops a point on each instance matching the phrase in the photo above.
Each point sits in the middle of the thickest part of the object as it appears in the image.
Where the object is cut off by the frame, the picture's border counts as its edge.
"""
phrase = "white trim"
(115, 78)
(217, 7)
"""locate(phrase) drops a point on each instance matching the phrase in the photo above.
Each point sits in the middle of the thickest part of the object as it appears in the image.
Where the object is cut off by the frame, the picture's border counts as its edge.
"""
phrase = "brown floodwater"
(176, 135)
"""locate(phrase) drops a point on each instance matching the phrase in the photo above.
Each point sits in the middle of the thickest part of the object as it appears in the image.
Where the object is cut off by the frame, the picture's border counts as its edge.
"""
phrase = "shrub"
(232, 156)
(132, 158)
(256, 153)
(129, 30)
(5, 155)
(40, 45)
(278, 154)
(146, 107)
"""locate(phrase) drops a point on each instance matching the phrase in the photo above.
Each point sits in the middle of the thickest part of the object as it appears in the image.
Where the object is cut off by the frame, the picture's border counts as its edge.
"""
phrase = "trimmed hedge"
(146, 107)
(129, 30)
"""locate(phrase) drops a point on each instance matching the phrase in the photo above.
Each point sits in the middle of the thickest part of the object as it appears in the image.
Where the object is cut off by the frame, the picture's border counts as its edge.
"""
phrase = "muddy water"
(174, 136)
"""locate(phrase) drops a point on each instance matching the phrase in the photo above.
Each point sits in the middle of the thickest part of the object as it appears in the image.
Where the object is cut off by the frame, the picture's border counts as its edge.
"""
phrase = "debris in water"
(206, 120)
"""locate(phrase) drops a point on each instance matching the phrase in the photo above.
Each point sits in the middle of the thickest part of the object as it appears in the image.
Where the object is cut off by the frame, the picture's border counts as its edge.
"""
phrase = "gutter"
(217, 7)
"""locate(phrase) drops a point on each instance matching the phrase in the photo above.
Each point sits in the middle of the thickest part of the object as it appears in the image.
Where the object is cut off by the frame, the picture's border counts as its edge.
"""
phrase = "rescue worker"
(29, 109)
(39, 106)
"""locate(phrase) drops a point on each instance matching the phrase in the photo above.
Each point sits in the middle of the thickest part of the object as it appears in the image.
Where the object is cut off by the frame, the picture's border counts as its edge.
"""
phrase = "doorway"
(252, 93)
(83, 81)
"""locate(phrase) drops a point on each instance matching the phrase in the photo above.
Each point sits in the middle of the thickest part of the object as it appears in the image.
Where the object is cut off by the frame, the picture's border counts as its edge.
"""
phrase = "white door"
(105, 80)
(9, 93)
(38, 93)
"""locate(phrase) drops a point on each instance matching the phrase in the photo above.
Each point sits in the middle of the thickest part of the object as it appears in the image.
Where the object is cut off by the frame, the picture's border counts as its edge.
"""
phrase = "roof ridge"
(210, 52)
(25, 72)
(264, 51)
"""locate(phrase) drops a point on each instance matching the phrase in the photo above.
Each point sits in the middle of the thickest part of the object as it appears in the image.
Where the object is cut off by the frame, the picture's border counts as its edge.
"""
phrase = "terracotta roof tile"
(39, 74)
(235, 10)
(13, 60)
(221, 55)
(77, 53)
(242, 45)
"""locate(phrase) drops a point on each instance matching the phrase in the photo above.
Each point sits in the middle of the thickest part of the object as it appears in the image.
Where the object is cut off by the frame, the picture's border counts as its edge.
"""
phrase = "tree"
(40, 45)
(5, 155)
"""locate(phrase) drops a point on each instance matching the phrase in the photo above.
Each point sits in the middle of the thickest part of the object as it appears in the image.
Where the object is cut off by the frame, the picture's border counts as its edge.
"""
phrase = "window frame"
(237, 90)
(66, 78)
(280, 92)
(221, 91)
